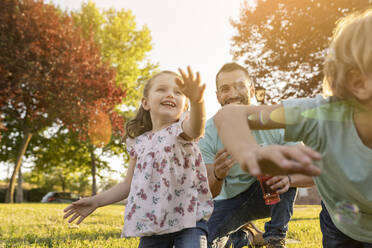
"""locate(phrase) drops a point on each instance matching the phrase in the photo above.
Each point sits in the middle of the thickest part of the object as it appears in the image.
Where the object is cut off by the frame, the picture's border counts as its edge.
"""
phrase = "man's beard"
(238, 100)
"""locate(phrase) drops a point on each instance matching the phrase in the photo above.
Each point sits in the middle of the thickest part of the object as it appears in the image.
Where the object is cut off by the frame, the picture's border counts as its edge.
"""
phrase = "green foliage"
(285, 41)
(122, 44)
(62, 161)
(103, 228)
(77, 181)
(12, 140)
(107, 183)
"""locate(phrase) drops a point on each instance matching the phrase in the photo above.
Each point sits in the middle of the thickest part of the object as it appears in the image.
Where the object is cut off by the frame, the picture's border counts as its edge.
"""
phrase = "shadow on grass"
(53, 239)
(301, 219)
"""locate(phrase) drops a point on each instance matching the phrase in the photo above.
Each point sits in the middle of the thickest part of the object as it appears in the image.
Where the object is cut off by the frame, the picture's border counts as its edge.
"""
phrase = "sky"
(184, 32)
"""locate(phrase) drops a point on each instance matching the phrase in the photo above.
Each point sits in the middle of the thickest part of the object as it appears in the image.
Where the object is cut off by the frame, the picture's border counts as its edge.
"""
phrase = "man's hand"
(280, 184)
(222, 164)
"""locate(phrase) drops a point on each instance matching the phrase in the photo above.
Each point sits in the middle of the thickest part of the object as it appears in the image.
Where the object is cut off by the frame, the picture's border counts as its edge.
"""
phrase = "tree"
(62, 155)
(123, 45)
(58, 180)
(60, 160)
(49, 73)
(285, 41)
(2, 128)
(105, 130)
(126, 48)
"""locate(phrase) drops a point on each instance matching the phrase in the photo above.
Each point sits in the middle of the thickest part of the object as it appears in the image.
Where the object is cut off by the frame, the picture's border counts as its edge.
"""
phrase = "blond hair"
(350, 48)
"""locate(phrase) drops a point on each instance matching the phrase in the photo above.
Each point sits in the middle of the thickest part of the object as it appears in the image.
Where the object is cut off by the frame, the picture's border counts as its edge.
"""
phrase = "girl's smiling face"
(165, 101)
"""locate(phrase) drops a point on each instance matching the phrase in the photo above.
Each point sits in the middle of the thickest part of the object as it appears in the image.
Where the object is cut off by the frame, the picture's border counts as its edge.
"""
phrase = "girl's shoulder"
(170, 132)
(175, 129)
(131, 143)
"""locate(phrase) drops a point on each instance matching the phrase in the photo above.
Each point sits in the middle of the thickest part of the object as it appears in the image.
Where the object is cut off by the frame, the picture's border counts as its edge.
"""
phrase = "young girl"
(339, 127)
(169, 199)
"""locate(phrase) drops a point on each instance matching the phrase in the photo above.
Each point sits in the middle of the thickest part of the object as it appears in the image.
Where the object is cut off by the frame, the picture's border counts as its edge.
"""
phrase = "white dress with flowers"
(169, 190)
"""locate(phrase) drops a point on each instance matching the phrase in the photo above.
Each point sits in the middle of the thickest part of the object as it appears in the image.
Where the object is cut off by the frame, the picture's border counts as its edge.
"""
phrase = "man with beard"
(238, 196)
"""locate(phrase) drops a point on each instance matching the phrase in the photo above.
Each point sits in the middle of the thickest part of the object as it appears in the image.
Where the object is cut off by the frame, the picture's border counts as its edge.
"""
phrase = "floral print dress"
(169, 190)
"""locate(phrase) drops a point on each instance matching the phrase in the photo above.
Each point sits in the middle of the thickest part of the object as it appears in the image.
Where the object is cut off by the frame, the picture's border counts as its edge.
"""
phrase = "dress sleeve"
(131, 143)
(176, 128)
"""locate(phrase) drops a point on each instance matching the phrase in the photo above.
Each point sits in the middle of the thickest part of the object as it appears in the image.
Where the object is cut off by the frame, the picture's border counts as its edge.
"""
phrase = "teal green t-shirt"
(237, 180)
(345, 184)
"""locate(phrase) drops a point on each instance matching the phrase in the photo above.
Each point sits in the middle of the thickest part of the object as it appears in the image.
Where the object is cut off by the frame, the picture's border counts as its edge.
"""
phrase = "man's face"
(233, 87)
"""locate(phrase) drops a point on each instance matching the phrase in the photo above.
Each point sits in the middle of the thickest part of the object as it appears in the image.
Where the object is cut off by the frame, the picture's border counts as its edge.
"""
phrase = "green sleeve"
(304, 120)
(207, 144)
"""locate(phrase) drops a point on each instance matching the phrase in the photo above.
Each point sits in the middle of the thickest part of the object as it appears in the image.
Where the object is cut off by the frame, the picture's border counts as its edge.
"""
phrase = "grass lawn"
(42, 225)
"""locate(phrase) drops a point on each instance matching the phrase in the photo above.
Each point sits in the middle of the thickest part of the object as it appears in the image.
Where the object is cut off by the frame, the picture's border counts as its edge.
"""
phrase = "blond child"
(339, 127)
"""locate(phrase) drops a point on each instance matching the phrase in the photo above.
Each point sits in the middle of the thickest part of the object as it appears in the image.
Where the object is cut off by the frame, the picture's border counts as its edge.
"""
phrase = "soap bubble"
(99, 129)
(346, 212)
(305, 68)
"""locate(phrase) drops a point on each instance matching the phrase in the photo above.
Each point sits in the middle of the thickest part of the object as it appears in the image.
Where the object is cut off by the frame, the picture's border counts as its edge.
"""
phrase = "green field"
(42, 225)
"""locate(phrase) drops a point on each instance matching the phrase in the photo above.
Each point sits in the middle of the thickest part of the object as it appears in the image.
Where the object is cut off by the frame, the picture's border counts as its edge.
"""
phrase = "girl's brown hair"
(142, 123)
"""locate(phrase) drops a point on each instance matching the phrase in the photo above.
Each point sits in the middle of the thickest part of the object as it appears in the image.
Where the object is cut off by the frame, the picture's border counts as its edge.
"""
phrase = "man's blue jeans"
(231, 214)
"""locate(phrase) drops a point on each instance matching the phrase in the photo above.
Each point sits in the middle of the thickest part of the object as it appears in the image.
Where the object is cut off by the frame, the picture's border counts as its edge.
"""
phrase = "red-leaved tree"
(49, 73)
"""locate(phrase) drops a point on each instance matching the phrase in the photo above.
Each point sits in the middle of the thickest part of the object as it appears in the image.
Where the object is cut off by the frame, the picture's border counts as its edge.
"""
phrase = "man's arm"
(301, 181)
(217, 172)
(282, 183)
(215, 185)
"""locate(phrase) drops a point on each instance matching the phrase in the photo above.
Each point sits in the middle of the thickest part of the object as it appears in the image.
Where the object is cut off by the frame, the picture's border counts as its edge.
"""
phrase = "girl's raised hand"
(191, 86)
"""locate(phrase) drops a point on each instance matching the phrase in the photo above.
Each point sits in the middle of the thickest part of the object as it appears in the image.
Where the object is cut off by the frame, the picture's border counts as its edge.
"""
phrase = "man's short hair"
(228, 67)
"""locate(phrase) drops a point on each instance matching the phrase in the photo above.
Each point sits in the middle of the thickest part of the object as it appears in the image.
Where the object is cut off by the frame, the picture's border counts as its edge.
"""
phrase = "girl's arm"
(118, 192)
(193, 89)
(194, 126)
(86, 206)
(233, 123)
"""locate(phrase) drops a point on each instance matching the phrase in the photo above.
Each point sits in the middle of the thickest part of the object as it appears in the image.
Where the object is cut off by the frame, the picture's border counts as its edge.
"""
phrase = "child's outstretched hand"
(279, 160)
(191, 87)
(81, 208)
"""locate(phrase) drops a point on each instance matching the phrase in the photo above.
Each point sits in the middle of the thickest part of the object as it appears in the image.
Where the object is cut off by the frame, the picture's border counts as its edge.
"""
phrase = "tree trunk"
(21, 151)
(94, 184)
(19, 195)
(63, 184)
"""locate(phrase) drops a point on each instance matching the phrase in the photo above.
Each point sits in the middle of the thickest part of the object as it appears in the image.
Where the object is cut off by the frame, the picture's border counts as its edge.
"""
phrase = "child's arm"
(86, 206)
(192, 88)
(233, 123)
